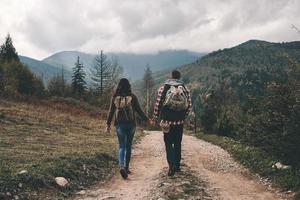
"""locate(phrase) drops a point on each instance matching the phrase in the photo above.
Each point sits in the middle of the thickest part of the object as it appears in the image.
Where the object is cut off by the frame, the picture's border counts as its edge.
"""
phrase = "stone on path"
(61, 181)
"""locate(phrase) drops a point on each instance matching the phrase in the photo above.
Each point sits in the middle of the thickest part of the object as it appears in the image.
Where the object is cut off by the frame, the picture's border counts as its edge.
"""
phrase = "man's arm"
(158, 103)
(189, 109)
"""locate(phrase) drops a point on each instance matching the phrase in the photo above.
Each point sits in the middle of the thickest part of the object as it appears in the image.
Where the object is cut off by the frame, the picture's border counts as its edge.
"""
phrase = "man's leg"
(178, 132)
(169, 141)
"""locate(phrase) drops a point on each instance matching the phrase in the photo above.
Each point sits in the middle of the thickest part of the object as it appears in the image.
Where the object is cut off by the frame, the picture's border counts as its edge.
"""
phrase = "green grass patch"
(47, 142)
(257, 161)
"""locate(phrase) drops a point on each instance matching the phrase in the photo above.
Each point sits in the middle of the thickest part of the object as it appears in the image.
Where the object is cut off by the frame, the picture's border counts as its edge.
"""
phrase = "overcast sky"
(42, 27)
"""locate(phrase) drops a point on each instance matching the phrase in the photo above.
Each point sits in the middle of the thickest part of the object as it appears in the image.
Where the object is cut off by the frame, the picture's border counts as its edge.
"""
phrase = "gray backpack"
(177, 98)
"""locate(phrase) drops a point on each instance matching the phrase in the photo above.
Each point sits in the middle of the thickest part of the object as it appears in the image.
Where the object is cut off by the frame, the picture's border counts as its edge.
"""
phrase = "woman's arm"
(111, 112)
(138, 109)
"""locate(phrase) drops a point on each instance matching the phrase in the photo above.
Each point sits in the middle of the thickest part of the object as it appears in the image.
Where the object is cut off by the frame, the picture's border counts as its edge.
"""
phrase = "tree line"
(259, 107)
(16, 80)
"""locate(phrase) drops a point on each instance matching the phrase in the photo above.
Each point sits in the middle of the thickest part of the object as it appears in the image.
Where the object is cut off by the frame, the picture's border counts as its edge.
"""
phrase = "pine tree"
(148, 87)
(78, 82)
(7, 51)
(1, 78)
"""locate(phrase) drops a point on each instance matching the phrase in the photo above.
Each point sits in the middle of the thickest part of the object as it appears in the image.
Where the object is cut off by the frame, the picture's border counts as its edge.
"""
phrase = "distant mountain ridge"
(133, 64)
(44, 70)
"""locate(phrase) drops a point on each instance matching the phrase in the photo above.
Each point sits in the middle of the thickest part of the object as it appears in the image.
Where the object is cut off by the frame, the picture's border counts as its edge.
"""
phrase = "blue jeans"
(125, 132)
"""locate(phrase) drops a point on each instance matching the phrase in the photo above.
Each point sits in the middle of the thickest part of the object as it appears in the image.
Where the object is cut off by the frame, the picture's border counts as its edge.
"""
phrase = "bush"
(58, 86)
(19, 80)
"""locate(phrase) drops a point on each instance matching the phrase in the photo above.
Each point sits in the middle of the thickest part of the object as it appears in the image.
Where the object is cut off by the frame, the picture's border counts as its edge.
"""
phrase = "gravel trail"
(208, 172)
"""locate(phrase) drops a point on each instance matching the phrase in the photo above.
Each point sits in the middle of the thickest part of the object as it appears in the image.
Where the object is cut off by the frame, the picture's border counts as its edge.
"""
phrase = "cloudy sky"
(42, 27)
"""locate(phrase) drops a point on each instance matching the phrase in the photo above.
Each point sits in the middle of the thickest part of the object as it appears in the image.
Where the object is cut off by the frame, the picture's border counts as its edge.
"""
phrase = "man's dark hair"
(176, 74)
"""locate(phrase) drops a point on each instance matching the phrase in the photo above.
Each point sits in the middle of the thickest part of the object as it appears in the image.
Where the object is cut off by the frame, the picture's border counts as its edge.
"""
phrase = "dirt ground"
(208, 172)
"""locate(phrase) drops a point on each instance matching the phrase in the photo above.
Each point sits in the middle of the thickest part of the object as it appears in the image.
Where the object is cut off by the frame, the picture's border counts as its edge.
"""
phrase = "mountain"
(133, 64)
(250, 54)
(206, 70)
(44, 70)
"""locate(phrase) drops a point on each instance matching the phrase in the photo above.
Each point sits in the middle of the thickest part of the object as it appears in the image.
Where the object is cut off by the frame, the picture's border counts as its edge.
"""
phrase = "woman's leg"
(122, 139)
(130, 135)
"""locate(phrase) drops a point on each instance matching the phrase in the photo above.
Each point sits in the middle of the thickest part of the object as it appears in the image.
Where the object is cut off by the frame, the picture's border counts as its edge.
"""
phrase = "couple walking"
(172, 105)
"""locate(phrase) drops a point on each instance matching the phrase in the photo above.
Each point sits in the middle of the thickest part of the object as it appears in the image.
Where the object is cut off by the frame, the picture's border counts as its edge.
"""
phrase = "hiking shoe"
(127, 170)
(177, 169)
(171, 171)
(123, 173)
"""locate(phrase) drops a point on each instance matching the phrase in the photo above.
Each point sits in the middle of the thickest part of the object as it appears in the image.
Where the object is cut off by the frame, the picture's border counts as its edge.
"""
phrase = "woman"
(122, 109)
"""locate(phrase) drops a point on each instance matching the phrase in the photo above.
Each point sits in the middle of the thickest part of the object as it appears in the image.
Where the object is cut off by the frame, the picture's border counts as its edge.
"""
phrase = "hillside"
(251, 54)
(44, 70)
(51, 138)
(133, 64)
(206, 70)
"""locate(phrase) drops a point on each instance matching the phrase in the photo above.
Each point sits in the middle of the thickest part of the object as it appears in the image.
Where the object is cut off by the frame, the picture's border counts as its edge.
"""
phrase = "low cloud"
(40, 28)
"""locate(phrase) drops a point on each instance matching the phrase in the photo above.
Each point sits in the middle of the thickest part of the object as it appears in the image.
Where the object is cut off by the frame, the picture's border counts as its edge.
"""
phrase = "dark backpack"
(124, 110)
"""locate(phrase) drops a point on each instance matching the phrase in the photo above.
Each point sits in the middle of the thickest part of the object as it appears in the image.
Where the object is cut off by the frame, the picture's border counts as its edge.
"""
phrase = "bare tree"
(105, 72)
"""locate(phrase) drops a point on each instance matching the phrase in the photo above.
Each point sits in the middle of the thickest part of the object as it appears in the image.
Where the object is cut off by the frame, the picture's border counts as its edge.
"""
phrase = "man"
(172, 106)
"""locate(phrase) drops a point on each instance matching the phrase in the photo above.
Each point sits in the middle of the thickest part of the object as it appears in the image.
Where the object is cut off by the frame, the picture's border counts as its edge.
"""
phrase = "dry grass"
(43, 139)
(32, 133)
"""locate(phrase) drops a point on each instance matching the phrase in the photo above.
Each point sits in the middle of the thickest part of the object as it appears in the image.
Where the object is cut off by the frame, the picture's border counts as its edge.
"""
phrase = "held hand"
(107, 130)
(152, 122)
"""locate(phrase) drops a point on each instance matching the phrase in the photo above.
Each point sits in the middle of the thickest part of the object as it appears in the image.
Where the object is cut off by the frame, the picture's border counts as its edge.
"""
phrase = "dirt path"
(208, 172)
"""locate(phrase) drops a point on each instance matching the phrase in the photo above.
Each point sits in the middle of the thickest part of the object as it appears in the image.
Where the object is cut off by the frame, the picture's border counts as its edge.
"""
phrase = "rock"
(166, 184)
(186, 183)
(61, 181)
(82, 192)
(23, 172)
(279, 165)
(108, 197)
(161, 198)
(16, 197)
(20, 185)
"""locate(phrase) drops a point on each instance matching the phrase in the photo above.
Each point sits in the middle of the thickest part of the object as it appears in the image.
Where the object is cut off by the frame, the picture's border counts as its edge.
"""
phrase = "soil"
(208, 172)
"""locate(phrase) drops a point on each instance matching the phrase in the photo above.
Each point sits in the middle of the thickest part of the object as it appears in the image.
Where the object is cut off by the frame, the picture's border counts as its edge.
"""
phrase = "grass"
(258, 161)
(50, 140)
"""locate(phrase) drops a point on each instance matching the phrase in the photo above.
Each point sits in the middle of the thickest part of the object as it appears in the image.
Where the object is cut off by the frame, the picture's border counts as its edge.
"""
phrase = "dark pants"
(125, 132)
(173, 145)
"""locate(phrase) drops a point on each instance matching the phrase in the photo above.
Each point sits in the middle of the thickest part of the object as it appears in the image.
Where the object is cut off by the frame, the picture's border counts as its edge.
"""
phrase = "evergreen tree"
(7, 51)
(78, 82)
(1, 78)
(148, 87)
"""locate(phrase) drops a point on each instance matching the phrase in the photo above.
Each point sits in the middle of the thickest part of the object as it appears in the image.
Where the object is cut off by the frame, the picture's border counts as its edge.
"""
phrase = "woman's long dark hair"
(123, 88)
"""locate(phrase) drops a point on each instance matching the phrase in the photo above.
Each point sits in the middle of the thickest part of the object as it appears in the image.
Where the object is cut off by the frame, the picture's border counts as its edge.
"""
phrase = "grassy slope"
(48, 142)
(257, 161)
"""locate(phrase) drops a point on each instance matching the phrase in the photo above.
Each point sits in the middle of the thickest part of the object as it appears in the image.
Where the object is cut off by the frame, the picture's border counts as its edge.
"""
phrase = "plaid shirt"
(158, 107)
